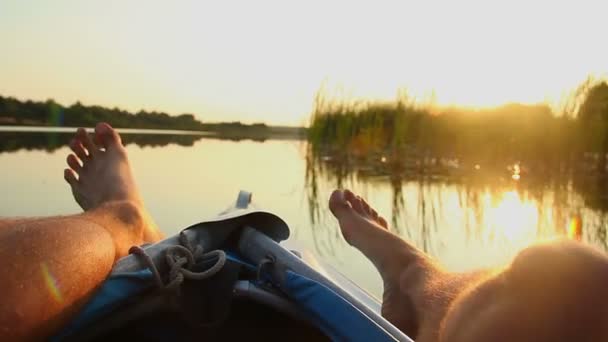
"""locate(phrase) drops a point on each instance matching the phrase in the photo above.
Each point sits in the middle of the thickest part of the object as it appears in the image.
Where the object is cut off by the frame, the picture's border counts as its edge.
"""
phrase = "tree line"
(50, 113)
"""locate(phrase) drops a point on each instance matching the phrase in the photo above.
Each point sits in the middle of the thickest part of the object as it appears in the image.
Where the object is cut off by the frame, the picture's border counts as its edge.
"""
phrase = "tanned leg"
(52, 265)
(550, 292)
(417, 292)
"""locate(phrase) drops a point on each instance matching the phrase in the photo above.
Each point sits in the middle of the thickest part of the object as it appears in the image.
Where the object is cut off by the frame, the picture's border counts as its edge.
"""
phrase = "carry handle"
(243, 199)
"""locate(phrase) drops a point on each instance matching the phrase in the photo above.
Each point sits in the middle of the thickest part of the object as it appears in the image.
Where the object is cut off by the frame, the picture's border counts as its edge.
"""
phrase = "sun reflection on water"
(512, 218)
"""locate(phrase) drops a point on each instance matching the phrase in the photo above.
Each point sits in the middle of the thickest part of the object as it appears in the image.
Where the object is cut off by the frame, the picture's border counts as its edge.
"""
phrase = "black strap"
(205, 304)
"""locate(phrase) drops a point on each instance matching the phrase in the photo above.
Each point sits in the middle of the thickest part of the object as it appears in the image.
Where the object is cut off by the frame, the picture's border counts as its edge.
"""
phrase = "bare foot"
(99, 174)
(410, 278)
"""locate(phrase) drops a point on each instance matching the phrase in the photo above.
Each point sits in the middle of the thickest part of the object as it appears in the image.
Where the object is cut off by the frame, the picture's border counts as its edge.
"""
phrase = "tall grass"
(508, 133)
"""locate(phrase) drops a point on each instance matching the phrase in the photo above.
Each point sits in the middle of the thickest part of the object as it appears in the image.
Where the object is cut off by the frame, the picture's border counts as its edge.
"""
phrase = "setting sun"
(264, 60)
(414, 167)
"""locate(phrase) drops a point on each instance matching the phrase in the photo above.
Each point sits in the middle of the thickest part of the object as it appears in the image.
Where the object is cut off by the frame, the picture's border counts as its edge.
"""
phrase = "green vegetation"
(514, 132)
(50, 113)
(530, 148)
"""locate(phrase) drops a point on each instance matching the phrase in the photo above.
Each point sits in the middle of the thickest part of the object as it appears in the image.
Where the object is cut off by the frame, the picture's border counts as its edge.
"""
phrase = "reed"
(512, 132)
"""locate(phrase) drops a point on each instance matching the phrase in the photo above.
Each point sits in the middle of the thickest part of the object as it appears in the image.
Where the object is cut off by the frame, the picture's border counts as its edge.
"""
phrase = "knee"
(560, 288)
(550, 291)
(561, 263)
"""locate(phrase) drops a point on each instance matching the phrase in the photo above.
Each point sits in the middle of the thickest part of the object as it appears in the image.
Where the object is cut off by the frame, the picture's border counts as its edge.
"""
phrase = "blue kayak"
(229, 279)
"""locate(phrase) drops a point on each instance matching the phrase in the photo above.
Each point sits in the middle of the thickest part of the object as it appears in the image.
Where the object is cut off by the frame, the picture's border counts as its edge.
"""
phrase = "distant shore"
(27, 113)
(211, 130)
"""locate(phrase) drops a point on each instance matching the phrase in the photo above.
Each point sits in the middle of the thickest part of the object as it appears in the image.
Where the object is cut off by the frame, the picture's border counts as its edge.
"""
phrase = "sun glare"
(511, 218)
(264, 60)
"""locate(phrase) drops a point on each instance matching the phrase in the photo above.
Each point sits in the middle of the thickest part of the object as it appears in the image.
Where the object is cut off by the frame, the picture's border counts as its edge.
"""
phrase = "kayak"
(229, 278)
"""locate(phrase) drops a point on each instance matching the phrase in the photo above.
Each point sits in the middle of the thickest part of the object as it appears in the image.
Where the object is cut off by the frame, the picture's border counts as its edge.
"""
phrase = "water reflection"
(13, 141)
(51, 141)
(444, 208)
(468, 214)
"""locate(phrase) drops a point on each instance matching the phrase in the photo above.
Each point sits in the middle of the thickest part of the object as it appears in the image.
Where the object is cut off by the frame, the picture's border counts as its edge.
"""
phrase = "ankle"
(125, 220)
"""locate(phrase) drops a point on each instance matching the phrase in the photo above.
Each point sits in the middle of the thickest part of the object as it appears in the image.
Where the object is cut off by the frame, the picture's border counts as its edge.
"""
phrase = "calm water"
(465, 222)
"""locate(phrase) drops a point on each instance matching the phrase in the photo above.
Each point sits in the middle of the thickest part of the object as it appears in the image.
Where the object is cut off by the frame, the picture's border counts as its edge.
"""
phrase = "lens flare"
(575, 228)
(51, 283)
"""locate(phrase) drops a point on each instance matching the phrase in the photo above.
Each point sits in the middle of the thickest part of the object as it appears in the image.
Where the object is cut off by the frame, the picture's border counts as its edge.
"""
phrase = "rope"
(136, 250)
(180, 259)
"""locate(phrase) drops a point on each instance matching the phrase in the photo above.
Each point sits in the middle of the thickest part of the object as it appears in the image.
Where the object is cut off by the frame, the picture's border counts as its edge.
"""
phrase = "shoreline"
(269, 132)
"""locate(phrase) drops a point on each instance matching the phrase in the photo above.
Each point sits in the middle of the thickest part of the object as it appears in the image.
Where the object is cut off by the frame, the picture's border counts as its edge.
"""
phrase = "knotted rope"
(180, 259)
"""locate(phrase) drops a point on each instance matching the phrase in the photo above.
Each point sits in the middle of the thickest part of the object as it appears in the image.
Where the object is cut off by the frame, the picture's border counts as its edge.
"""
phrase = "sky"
(263, 61)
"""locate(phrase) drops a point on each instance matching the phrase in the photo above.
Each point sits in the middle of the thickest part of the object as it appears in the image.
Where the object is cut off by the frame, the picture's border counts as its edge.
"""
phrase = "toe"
(366, 208)
(355, 201)
(86, 141)
(106, 136)
(382, 222)
(374, 214)
(76, 146)
(74, 163)
(70, 176)
(338, 205)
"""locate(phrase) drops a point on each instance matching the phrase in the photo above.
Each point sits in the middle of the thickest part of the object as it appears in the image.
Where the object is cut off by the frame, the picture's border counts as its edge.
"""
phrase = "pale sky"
(263, 61)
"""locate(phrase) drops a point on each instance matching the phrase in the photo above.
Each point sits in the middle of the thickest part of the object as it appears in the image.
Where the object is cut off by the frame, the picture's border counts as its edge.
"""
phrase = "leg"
(52, 265)
(100, 173)
(550, 292)
(416, 290)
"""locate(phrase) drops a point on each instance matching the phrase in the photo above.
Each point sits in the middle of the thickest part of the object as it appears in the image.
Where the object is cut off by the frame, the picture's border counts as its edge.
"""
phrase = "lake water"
(466, 223)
